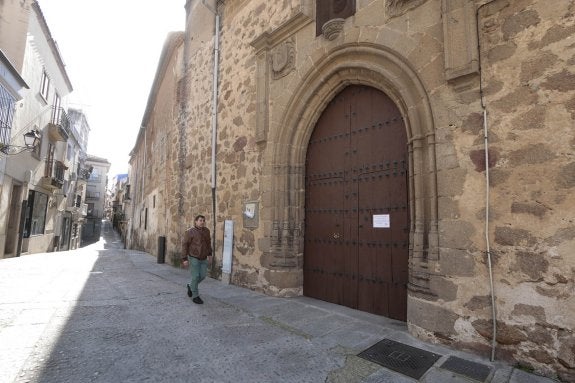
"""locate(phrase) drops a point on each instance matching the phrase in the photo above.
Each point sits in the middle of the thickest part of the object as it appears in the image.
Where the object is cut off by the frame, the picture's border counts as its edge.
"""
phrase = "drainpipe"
(486, 147)
(144, 164)
(214, 10)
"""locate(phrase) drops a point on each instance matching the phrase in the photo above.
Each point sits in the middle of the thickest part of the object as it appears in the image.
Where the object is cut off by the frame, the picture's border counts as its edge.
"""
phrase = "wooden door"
(356, 213)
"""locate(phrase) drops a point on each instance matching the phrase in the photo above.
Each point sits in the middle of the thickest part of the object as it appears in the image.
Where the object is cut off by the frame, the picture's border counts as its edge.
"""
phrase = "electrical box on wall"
(251, 215)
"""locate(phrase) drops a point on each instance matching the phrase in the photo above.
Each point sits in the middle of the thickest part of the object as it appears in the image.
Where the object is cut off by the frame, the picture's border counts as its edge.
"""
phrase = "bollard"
(161, 249)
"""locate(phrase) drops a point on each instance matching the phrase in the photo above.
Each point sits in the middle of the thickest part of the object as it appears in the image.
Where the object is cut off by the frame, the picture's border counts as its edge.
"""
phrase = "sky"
(111, 50)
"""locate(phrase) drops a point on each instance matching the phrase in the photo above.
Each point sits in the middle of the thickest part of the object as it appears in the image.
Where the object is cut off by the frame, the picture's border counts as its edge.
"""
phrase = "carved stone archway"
(380, 68)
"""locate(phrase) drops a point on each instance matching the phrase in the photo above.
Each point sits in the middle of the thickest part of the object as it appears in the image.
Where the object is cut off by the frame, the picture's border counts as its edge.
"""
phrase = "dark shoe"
(189, 292)
(198, 300)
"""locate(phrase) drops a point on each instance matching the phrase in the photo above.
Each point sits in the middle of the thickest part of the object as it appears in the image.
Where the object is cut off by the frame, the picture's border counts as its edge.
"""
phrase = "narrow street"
(106, 314)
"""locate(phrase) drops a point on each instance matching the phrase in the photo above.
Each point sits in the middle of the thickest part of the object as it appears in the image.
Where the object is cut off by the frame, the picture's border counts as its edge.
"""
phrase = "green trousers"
(198, 272)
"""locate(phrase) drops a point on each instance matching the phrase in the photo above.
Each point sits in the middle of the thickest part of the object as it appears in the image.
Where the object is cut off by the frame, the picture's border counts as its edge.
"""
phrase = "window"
(56, 110)
(45, 86)
(92, 194)
(48, 170)
(7, 106)
(91, 209)
(154, 204)
(78, 201)
(35, 213)
(96, 175)
(70, 153)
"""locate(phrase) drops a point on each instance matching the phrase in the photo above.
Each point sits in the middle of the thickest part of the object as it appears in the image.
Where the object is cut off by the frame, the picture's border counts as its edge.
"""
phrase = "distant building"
(96, 189)
(153, 163)
(119, 198)
(76, 208)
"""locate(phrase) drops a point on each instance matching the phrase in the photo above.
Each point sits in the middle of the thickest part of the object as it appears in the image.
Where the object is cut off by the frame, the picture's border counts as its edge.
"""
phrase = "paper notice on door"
(381, 220)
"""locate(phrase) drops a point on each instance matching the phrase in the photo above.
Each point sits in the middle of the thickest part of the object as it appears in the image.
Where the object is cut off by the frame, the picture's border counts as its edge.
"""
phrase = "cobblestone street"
(105, 314)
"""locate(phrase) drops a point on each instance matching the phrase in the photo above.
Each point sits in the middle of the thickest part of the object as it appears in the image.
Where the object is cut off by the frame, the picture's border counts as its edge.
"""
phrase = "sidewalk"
(343, 331)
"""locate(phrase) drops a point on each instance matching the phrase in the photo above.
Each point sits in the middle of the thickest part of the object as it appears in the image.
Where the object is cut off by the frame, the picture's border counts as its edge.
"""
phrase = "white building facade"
(96, 189)
(33, 187)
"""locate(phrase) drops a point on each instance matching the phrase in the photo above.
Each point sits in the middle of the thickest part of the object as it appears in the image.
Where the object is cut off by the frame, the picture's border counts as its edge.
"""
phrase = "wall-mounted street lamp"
(31, 140)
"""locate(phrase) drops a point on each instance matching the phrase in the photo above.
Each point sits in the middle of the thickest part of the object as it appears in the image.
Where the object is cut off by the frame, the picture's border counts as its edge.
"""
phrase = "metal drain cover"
(399, 357)
(464, 367)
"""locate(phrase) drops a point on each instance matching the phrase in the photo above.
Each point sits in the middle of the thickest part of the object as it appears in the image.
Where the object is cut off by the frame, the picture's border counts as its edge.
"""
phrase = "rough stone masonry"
(441, 62)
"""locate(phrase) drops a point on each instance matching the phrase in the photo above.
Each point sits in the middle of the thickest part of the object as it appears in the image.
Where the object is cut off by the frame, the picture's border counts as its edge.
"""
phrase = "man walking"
(196, 248)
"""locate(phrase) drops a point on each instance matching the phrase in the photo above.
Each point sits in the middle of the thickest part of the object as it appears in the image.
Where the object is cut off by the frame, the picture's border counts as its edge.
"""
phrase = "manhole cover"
(400, 357)
(464, 367)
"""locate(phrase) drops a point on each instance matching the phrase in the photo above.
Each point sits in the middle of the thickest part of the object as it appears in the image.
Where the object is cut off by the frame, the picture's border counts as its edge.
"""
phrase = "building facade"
(394, 156)
(154, 164)
(76, 208)
(35, 182)
(96, 191)
(11, 83)
(118, 204)
(13, 30)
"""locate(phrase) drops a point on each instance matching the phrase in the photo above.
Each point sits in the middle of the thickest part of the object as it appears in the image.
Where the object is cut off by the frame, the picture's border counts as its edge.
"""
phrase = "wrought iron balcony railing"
(59, 126)
(84, 173)
(77, 211)
(54, 174)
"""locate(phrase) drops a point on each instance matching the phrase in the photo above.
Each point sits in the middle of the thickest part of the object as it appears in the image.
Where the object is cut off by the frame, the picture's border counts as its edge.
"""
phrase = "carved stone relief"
(262, 96)
(275, 55)
(327, 10)
(285, 237)
(332, 29)
(398, 7)
(460, 38)
(283, 59)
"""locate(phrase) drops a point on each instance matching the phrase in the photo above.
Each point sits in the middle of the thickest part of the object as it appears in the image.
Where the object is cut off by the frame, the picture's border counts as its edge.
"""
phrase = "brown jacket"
(196, 243)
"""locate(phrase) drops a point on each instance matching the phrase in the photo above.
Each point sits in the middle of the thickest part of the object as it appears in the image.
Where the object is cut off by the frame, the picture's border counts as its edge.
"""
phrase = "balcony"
(53, 175)
(92, 195)
(59, 125)
(78, 211)
(84, 173)
(84, 210)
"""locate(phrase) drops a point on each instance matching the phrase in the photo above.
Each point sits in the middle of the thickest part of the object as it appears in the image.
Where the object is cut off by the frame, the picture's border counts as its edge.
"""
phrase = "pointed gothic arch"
(363, 64)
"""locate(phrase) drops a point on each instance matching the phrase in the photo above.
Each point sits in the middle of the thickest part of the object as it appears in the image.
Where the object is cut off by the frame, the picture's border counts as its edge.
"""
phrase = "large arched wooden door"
(356, 213)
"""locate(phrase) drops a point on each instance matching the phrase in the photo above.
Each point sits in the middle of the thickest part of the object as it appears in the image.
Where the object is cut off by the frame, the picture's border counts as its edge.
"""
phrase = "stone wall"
(238, 155)
(277, 76)
(154, 167)
(241, 161)
(528, 56)
(525, 55)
